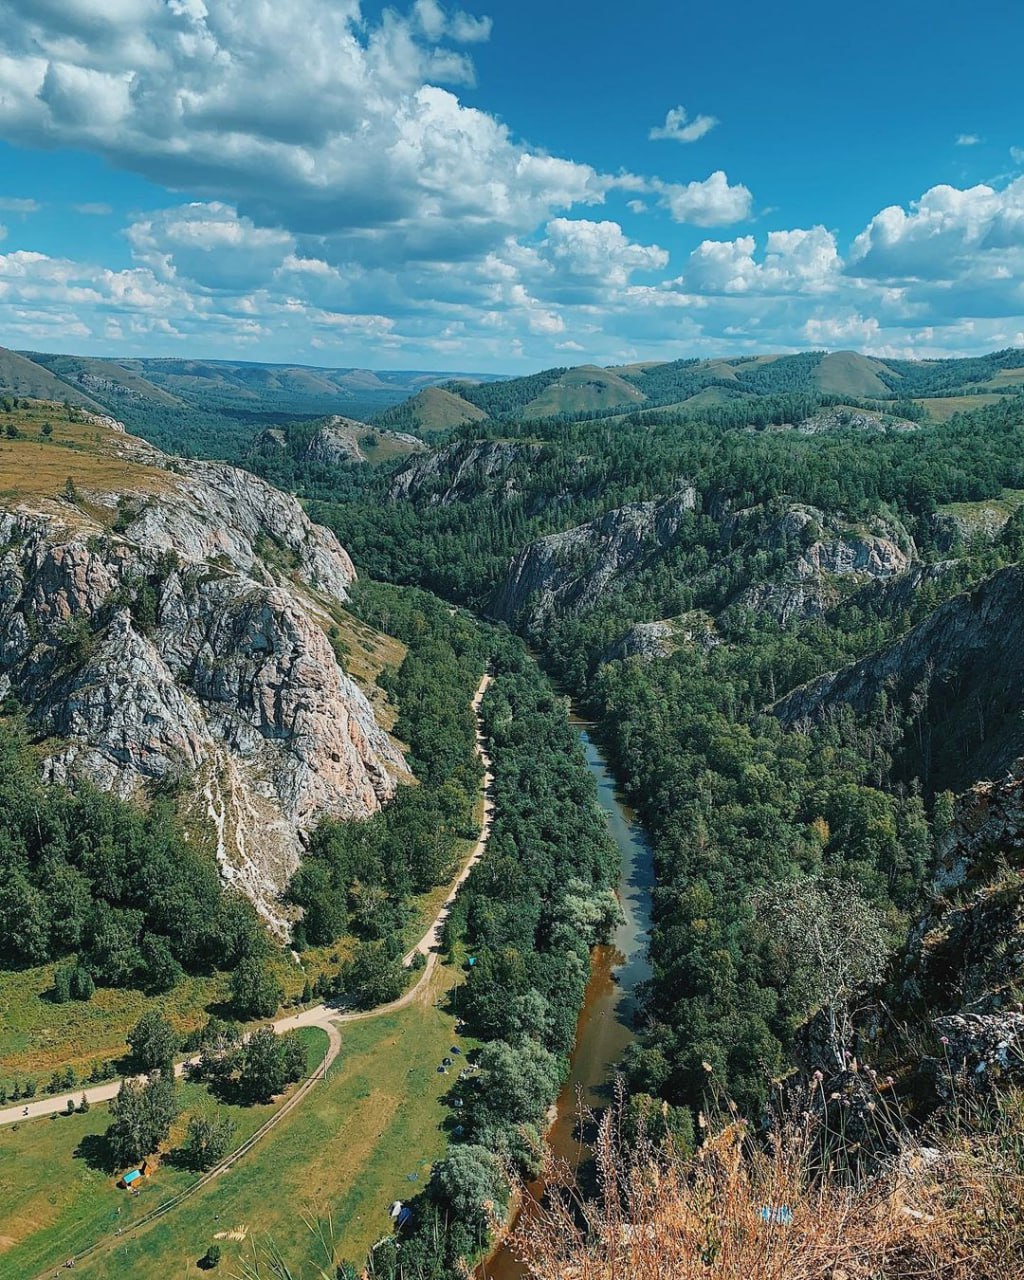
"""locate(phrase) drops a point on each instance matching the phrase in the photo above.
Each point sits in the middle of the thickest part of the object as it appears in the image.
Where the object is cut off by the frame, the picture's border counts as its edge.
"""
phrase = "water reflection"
(605, 1024)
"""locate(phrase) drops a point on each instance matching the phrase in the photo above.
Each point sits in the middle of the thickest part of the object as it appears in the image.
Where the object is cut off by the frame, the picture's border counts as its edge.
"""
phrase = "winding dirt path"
(326, 1016)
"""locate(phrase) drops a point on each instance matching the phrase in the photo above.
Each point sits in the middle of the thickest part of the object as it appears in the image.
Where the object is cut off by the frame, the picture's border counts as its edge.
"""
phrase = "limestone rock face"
(829, 557)
(332, 443)
(963, 963)
(970, 523)
(186, 640)
(567, 572)
(845, 418)
(649, 640)
(645, 640)
(969, 654)
(461, 471)
(221, 513)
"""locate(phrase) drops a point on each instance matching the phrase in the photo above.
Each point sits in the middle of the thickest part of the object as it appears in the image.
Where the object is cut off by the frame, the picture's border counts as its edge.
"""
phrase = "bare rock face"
(190, 643)
(650, 640)
(334, 442)
(967, 523)
(845, 418)
(963, 963)
(985, 1049)
(645, 640)
(222, 514)
(461, 471)
(987, 830)
(567, 572)
(829, 558)
(968, 659)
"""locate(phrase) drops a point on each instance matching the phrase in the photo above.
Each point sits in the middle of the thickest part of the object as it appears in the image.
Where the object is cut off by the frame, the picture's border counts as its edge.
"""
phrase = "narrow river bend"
(605, 1025)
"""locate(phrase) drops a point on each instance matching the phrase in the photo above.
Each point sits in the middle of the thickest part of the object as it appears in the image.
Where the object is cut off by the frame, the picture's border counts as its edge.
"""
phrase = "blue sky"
(506, 186)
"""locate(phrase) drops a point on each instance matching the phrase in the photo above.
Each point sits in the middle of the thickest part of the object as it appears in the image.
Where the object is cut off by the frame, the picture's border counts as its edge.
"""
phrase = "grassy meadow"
(364, 1138)
(59, 1193)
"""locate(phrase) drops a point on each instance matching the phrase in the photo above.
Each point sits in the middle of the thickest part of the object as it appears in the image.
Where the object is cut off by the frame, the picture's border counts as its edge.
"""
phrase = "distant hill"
(587, 389)
(693, 386)
(106, 380)
(215, 408)
(239, 386)
(22, 377)
(845, 373)
(429, 412)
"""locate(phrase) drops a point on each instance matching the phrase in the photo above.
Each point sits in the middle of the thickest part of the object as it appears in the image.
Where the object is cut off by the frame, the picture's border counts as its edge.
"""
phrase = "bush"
(255, 992)
(207, 1142)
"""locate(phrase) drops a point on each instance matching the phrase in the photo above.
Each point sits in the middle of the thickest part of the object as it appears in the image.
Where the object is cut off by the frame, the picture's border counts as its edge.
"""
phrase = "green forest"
(737, 805)
(761, 825)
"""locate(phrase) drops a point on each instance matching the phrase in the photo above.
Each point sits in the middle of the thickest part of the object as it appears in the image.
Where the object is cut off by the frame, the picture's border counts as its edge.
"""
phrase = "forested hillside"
(797, 553)
(793, 614)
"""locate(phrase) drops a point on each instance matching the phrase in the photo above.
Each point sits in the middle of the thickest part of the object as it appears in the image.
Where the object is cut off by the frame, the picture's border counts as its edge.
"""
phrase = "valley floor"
(340, 1144)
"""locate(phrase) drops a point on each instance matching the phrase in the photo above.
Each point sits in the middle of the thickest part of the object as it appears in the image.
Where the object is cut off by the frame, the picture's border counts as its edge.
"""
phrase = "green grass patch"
(37, 1036)
(59, 1196)
(1002, 507)
(347, 1151)
(942, 408)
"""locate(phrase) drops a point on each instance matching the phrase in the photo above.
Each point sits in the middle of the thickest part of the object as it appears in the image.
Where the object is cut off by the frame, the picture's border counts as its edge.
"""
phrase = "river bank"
(605, 1025)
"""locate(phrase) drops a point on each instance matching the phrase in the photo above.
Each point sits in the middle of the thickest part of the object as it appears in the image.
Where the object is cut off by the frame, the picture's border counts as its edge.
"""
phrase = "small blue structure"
(129, 1178)
(404, 1217)
(779, 1216)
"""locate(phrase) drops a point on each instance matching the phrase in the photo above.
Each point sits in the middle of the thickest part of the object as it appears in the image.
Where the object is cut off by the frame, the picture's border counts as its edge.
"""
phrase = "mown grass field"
(58, 1196)
(363, 1139)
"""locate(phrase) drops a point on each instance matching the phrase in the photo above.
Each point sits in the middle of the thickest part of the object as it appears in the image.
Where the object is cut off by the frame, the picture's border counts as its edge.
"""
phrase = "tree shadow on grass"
(95, 1150)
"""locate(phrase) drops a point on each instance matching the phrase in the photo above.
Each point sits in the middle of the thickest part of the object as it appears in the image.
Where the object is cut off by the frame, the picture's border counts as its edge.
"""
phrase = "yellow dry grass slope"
(41, 448)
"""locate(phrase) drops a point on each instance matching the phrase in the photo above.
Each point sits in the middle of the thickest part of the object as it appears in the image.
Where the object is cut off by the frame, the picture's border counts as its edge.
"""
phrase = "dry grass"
(742, 1209)
(942, 408)
(36, 466)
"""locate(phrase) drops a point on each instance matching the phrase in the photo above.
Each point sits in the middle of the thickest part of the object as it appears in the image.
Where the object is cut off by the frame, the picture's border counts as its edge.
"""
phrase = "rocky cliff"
(334, 442)
(965, 663)
(829, 558)
(462, 471)
(163, 620)
(963, 966)
(567, 572)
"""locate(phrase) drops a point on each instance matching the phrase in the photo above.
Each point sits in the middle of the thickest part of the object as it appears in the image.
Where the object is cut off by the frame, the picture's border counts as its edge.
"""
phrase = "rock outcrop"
(645, 640)
(829, 558)
(965, 523)
(179, 633)
(462, 471)
(967, 662)
(846, 418)
(332, 443)
(567, 572)
(963, 966)
(649, 640)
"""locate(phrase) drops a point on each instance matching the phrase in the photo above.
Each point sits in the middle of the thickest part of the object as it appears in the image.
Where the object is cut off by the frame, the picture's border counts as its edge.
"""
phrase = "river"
(605, 1025)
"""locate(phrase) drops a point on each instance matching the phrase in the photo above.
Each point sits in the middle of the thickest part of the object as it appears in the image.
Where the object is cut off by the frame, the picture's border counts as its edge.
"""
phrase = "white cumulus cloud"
(711, 203)
(678, 127)
(304, 115)
(798, 260)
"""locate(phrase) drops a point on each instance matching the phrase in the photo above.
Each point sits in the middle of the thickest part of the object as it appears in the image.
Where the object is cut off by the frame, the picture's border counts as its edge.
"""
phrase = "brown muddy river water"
(605, 1025)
